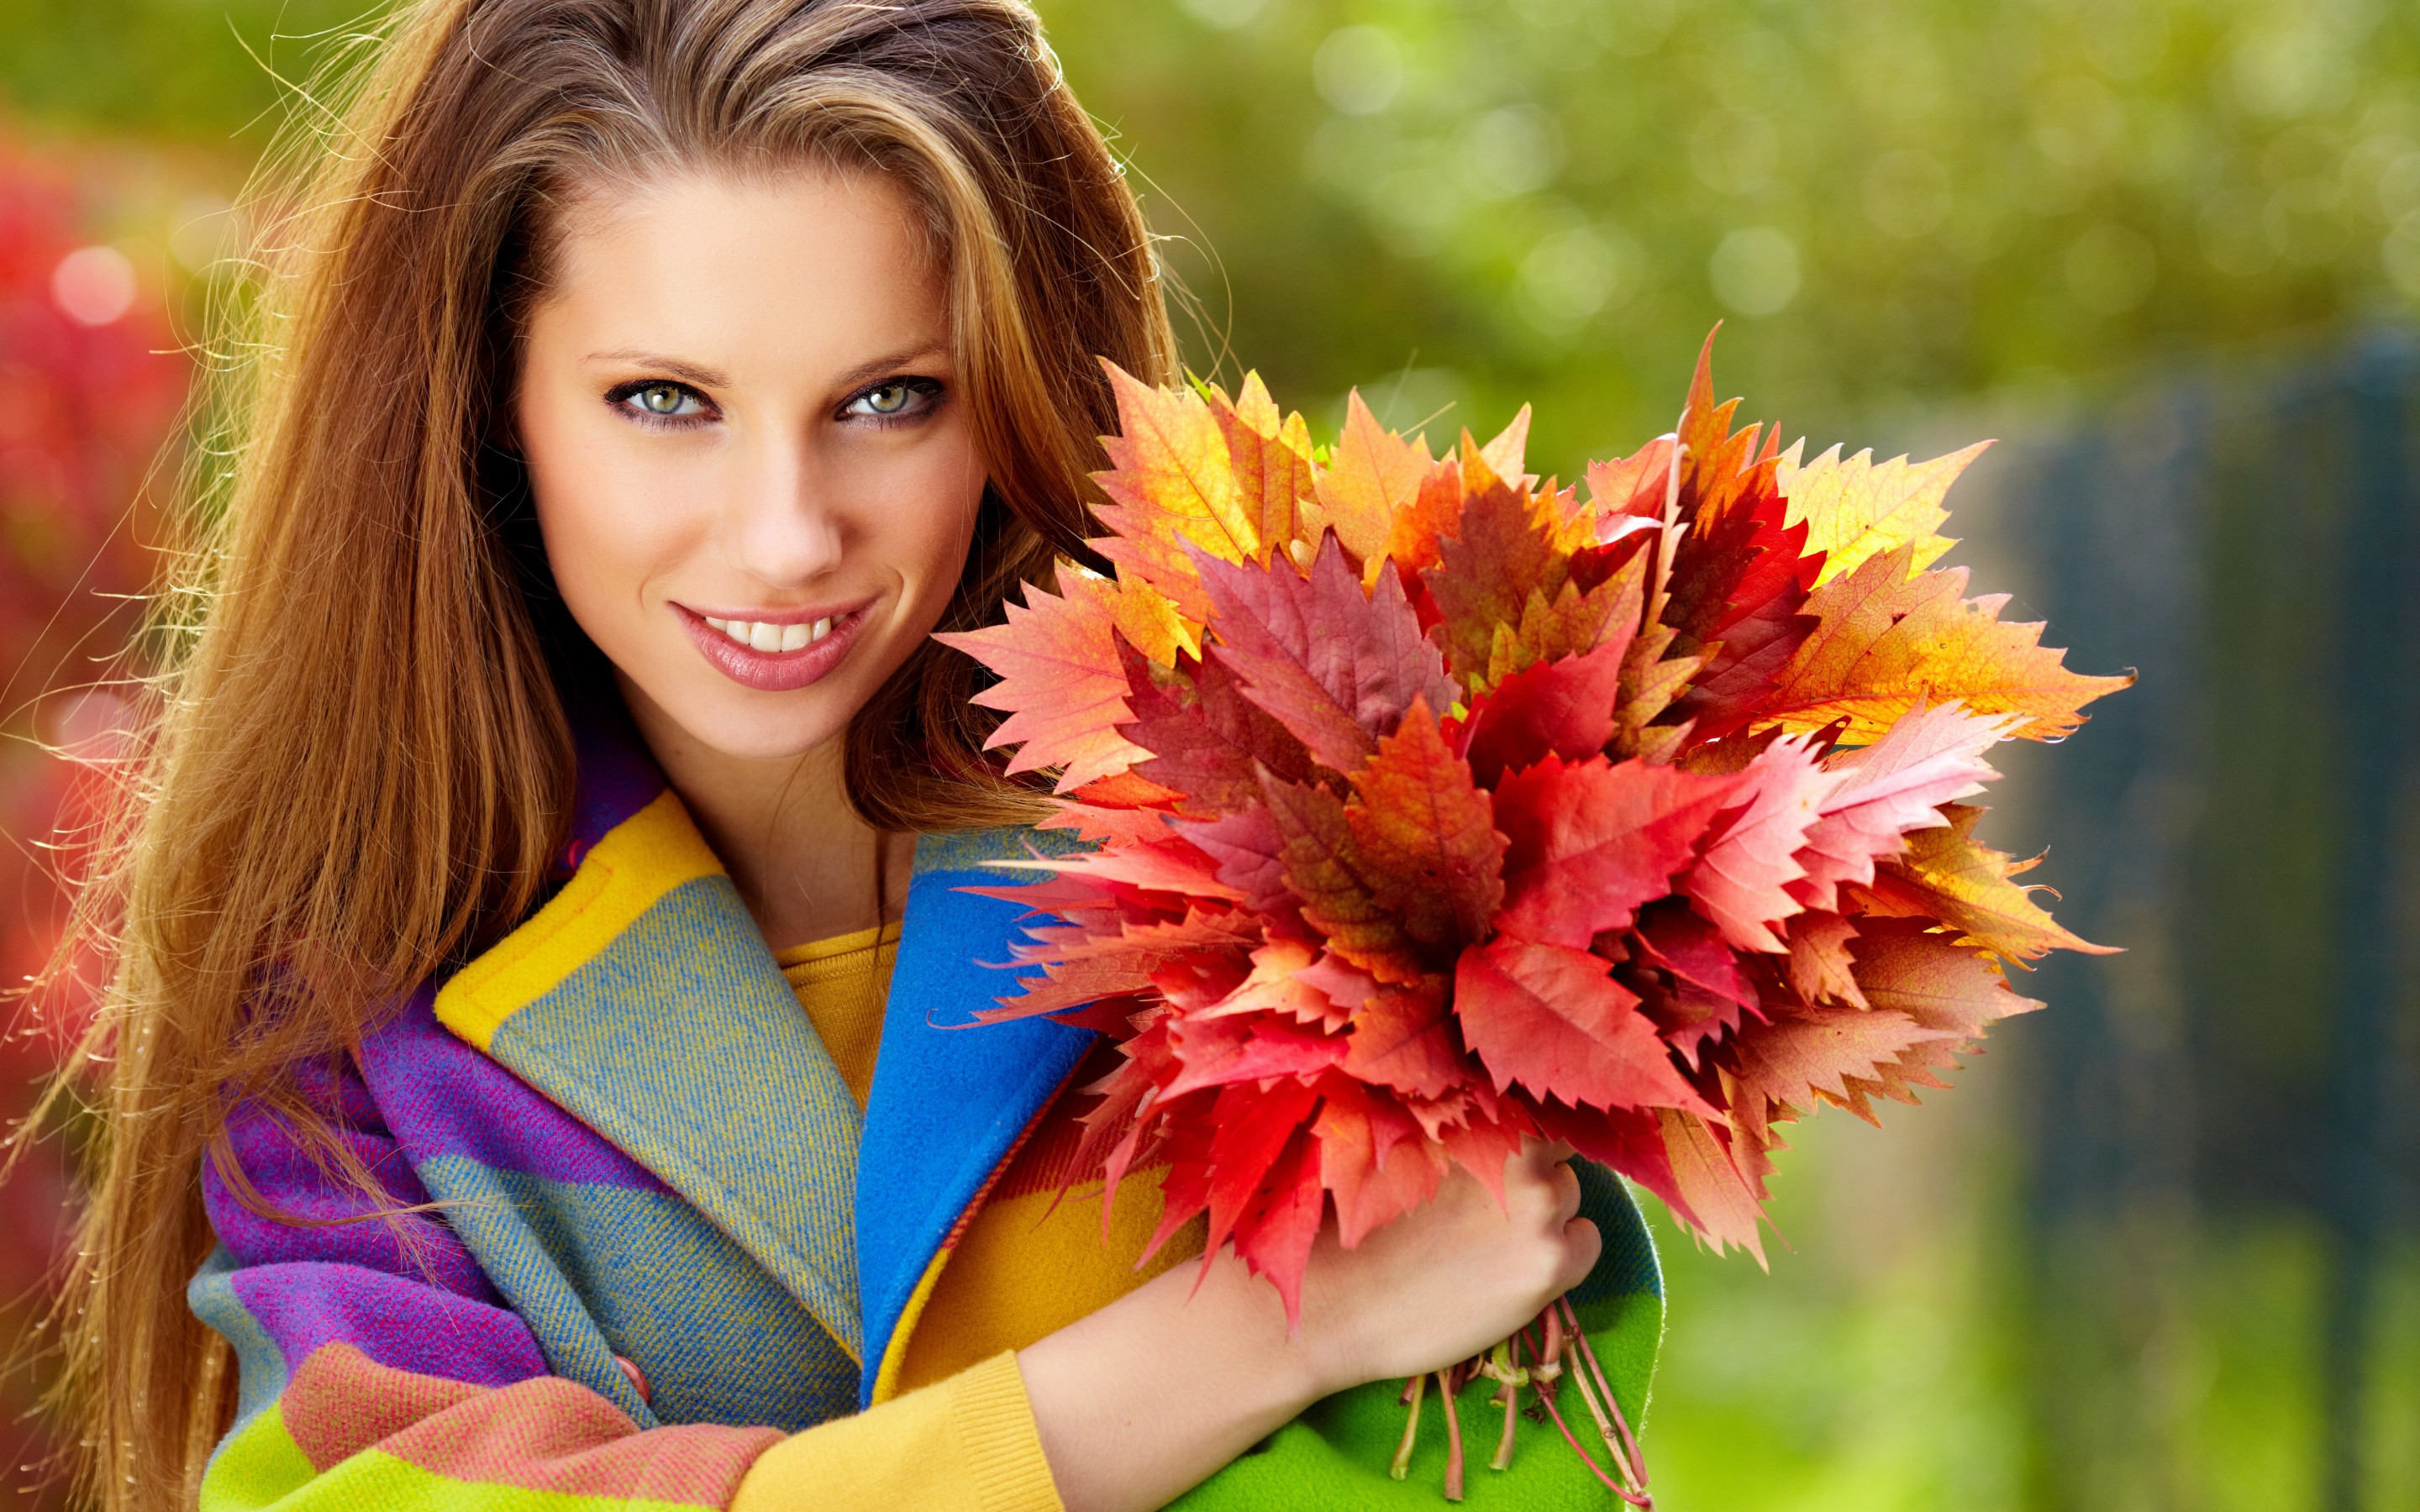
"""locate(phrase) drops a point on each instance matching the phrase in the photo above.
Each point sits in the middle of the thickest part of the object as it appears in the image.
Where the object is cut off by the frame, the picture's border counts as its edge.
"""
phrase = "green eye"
(660, 399)
(889, 399)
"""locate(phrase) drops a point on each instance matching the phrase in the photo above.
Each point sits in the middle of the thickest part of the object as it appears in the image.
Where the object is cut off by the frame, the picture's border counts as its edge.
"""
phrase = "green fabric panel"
(683, 1044)
(1336, 1454)
(256, 1466)
(603, 1270)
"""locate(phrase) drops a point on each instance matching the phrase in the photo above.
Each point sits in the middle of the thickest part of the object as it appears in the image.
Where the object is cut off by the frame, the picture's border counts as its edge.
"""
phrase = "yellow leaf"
(1855, 509)
(1504, 454)
(1151, 623)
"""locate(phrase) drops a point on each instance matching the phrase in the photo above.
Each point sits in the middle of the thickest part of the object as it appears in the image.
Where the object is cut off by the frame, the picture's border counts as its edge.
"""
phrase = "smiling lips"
(775, 655)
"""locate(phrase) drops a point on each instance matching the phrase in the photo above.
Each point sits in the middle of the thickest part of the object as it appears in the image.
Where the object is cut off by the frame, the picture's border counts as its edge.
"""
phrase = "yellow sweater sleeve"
(965, 1444)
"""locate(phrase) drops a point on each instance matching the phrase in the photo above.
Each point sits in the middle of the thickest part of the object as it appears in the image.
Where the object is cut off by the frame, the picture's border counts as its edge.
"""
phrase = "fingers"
(1582, 1245)
(1566, 1185)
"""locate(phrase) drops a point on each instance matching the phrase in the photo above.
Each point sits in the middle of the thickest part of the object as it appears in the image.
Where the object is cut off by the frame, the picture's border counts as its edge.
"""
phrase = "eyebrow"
(706, 378)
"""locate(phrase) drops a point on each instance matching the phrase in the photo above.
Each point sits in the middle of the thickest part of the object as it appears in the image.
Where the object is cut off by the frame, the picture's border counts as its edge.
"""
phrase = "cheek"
(603, 541)
(932, 528)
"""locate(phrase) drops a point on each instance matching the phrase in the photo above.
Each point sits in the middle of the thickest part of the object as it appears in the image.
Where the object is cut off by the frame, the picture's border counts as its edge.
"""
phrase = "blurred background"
(2158, 1250)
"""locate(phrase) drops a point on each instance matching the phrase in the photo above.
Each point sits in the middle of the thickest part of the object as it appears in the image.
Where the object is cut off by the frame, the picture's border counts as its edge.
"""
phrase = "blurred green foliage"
(198, 71)
(1892, 201)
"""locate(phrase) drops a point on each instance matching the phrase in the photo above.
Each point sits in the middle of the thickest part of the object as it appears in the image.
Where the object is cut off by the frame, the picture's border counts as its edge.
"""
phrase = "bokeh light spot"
(1754, 270)
(1358, 70)
(93, 285)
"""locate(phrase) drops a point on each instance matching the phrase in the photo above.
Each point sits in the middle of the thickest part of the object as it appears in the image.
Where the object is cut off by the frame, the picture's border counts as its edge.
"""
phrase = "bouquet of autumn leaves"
(1436, 806)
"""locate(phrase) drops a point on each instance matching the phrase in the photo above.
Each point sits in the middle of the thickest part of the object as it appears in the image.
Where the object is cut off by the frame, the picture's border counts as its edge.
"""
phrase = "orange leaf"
(1059, 678)
(1797, 1054)
(1320, 858)
(1946, 875)
(1885, 644)
(1372, 476)
(1821, 969)
(1270, 456)
(1716, 1198)
(1171, 482)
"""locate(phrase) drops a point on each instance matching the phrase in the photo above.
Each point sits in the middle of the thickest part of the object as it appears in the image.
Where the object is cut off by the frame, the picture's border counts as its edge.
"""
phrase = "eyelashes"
(660, 402)
(668, 404)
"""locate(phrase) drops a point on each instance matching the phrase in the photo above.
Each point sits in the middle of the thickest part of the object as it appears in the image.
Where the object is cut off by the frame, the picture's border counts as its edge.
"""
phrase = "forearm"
(1156, 1392)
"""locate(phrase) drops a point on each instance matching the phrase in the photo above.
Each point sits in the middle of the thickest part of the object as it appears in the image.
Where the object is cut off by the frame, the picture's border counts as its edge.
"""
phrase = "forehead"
(801, 261)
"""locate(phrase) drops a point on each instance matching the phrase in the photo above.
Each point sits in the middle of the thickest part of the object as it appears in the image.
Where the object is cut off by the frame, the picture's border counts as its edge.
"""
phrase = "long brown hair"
(360, 764)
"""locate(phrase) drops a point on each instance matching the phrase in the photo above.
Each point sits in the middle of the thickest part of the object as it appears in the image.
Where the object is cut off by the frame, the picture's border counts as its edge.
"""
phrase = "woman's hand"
(1450, 1278)
(1159, 1389)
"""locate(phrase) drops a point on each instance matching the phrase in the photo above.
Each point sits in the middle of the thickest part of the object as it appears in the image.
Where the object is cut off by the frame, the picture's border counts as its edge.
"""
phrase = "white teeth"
(758, 636)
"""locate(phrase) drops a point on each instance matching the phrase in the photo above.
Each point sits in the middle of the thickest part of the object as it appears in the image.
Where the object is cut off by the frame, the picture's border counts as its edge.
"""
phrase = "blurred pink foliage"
(91, 383)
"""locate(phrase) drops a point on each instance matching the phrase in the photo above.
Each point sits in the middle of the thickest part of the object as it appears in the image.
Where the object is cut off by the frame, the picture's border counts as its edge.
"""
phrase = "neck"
(804, 863)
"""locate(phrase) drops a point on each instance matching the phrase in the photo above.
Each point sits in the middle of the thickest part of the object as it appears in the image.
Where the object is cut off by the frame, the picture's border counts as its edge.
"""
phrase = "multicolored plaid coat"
(637, 1240)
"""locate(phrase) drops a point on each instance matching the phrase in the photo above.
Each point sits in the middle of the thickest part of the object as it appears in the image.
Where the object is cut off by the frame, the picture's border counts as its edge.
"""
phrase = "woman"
(558, 721)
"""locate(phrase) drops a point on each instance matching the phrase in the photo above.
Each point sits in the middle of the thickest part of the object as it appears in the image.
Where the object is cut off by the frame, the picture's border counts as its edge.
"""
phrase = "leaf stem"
(1613, 1404)
(1447, 1381)
(1669, 539)
(1402, 1465)
(1585, 1459)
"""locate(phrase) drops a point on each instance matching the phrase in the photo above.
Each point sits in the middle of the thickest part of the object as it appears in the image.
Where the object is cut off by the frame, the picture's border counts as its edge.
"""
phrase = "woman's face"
(755, 479)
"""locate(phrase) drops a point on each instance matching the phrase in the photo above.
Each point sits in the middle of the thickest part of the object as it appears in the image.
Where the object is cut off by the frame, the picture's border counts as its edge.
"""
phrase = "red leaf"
(1555, 1021)
(1400, 1041)
(1281, 982)
(1207, 741)
(1589, 843)
(1215, 1051)
(1250, 1128)
(1425, 839)
(1273, 1236)
(1894, 786)
(1742, 884)
(1678, 941)
(1562, 708)
(1373, 1158)
(1250, 854)
(1335, 667)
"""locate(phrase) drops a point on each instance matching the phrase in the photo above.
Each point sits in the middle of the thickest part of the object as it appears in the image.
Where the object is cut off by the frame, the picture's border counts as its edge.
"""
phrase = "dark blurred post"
(2377, 702)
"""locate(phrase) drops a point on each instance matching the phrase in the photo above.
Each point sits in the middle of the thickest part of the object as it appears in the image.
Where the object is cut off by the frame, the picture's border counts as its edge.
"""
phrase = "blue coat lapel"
(950, 1100)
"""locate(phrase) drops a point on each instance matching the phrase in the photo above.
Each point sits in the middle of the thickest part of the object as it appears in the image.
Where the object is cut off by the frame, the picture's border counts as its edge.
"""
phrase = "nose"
(781, 526)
